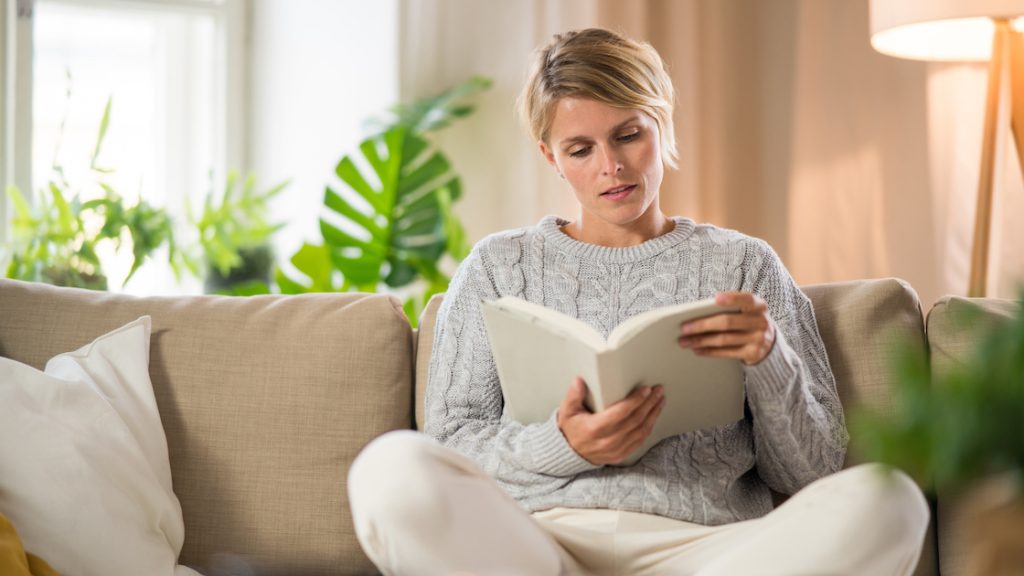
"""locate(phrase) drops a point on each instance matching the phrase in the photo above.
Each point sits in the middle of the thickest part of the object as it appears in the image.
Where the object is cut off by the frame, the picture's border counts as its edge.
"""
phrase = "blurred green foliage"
(234, 220)
(956, 426)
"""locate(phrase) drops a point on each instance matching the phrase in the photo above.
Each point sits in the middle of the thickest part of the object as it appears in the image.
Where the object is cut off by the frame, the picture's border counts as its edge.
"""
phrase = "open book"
(539, 352)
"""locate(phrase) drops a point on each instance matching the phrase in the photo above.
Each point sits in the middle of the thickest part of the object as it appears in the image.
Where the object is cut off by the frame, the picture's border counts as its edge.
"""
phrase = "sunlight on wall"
(318, 70)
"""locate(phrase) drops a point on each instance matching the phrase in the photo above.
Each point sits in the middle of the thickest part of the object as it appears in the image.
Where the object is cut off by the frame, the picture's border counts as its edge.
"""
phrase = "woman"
(488, 495)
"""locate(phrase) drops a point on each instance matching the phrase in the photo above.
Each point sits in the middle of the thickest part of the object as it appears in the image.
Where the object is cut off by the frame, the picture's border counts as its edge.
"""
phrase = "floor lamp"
(964, 31)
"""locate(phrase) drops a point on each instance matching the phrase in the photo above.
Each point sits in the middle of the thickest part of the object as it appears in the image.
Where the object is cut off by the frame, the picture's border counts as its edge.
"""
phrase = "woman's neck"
(603, 233)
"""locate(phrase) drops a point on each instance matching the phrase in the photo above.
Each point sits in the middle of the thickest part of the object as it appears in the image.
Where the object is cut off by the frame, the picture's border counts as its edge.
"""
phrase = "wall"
(317, 69)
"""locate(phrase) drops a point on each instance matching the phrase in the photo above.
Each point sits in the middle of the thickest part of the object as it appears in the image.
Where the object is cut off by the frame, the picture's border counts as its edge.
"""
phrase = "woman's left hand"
(748, 335)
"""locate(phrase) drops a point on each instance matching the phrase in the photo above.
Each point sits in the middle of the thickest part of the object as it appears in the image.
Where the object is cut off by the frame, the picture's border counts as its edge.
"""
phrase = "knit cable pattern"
(794, 430)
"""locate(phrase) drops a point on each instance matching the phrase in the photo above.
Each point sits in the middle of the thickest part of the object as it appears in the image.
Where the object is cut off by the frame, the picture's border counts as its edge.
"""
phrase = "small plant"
(55, 238)
(50, 244)
(234, 233)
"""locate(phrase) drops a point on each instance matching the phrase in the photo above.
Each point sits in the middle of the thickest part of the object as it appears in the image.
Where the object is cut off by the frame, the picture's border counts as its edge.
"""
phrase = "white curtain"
(791, 128)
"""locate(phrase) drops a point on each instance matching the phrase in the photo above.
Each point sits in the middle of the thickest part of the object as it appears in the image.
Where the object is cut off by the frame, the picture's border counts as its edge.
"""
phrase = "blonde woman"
(479, 493)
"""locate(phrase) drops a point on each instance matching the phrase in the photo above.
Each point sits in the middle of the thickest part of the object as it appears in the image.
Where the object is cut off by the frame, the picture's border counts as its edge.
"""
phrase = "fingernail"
(684, 342)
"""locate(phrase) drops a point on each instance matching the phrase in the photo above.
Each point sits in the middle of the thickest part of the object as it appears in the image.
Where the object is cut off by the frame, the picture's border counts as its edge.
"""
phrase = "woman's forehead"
(573, 117)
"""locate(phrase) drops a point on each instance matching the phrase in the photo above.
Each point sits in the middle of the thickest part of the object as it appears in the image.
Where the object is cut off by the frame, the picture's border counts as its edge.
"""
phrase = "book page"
(536, 363)
(700, 392)
(552, 319)
(681, 312)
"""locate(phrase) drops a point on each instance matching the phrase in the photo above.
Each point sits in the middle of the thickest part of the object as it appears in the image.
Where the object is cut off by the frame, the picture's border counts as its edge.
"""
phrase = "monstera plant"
(393, 223)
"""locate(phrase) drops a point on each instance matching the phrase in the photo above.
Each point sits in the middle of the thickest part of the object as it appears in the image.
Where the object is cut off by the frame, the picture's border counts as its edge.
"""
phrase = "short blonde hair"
(602, 66)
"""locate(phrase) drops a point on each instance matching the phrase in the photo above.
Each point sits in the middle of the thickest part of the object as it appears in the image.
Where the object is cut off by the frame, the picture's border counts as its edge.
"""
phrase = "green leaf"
(315, 263)
(434, 113)
(21, 207)
(335, 202)
(457, 244)
(104, 122)
(408, 225)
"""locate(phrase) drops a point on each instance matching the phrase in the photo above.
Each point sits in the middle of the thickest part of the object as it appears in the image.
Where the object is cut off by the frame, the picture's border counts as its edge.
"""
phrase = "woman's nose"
(612, 163)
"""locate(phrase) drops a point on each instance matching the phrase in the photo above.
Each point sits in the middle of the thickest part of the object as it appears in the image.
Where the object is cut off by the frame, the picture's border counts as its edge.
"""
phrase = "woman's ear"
(548, 154)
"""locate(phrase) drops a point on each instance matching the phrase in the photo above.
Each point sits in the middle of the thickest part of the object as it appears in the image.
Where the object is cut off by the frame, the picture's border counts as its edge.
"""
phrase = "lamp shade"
(946, 30)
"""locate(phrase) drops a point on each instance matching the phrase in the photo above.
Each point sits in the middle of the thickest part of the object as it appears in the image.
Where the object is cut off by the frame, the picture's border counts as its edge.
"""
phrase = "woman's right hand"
(610, 436)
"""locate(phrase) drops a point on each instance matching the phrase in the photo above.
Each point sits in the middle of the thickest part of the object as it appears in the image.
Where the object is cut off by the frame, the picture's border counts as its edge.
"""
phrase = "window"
(169, 68)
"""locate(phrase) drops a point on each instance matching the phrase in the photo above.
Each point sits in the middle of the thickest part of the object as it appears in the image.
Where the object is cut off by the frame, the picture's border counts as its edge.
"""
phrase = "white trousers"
(422, 509)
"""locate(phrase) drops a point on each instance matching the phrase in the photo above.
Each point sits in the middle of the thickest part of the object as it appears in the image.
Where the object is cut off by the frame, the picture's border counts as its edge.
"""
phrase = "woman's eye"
(580, 152)
(629, 137)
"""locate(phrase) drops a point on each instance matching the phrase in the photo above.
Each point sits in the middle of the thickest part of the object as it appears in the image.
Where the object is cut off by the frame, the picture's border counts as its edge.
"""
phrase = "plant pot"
(69, 277)
(257, 265)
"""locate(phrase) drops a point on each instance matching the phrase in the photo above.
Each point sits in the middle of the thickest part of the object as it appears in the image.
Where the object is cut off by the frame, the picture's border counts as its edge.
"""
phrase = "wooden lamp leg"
(983, 214)
(1016, 45)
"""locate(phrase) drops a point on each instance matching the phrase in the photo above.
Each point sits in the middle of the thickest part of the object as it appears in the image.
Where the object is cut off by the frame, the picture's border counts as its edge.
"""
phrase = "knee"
(391, 480)
(893, 498)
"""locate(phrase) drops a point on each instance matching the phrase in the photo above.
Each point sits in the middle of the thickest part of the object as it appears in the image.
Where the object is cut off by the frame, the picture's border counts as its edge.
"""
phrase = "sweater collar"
(551, 228)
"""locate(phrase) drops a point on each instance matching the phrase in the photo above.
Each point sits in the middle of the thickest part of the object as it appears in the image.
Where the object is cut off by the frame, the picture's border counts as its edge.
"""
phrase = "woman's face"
(612, 159)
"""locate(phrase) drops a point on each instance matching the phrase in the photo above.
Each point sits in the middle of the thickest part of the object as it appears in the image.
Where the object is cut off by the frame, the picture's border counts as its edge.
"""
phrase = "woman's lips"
(618, 193)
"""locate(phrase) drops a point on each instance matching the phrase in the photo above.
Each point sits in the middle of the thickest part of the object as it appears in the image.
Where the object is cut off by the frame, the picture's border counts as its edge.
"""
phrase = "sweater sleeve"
(464, 403)
(799, 429)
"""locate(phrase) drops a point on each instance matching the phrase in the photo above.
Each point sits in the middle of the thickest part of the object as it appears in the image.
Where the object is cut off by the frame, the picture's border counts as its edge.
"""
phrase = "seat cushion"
(265, 402)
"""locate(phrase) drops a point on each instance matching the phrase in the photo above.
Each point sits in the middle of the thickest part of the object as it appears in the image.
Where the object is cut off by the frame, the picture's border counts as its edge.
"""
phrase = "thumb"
(573, 401)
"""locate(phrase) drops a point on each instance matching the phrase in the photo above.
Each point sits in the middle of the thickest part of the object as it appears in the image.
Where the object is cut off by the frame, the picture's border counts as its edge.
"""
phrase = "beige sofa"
(266, 400)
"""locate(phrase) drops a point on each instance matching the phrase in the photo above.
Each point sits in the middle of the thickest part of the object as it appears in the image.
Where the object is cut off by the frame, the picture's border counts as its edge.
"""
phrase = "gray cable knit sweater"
(793, 432)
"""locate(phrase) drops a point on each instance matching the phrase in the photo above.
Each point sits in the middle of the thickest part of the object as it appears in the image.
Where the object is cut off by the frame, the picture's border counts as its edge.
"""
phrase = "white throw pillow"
(84, 471)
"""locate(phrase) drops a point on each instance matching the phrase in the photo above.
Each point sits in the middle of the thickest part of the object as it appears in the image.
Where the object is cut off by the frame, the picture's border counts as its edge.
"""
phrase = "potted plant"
(55, 237)
(234, 233)
(957, 427)
(398, 219)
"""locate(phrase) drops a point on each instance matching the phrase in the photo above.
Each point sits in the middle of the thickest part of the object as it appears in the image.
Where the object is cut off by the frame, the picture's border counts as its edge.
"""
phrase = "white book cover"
(539, 352)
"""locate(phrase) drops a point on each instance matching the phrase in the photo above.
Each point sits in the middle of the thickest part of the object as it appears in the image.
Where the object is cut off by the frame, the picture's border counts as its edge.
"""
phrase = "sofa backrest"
(862, 324)
(265, 402)
(952, 338)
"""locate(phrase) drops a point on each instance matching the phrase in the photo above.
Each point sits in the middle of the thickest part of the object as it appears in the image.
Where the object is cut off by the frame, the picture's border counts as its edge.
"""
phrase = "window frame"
(16, 114)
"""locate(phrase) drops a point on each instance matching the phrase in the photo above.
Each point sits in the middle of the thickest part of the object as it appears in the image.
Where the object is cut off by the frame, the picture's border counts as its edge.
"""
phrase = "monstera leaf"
(400, 233)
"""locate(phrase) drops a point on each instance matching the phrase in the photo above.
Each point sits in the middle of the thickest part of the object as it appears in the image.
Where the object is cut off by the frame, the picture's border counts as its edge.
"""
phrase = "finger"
(639, 435)
(744, 353)
(725, 323)
(720, 351)
(722, 340)
(619, 412)
(572, 403)
(642, 415)
(743, 300)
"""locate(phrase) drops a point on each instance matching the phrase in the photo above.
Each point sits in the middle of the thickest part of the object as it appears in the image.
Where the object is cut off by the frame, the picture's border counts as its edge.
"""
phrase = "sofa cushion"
(862, 323)
(951, 339)
(84, 472)
(424, 344)
(265, 402)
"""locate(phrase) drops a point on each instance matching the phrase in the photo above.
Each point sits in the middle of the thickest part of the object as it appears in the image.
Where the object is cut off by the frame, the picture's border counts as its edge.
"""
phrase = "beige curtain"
(791, 128)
